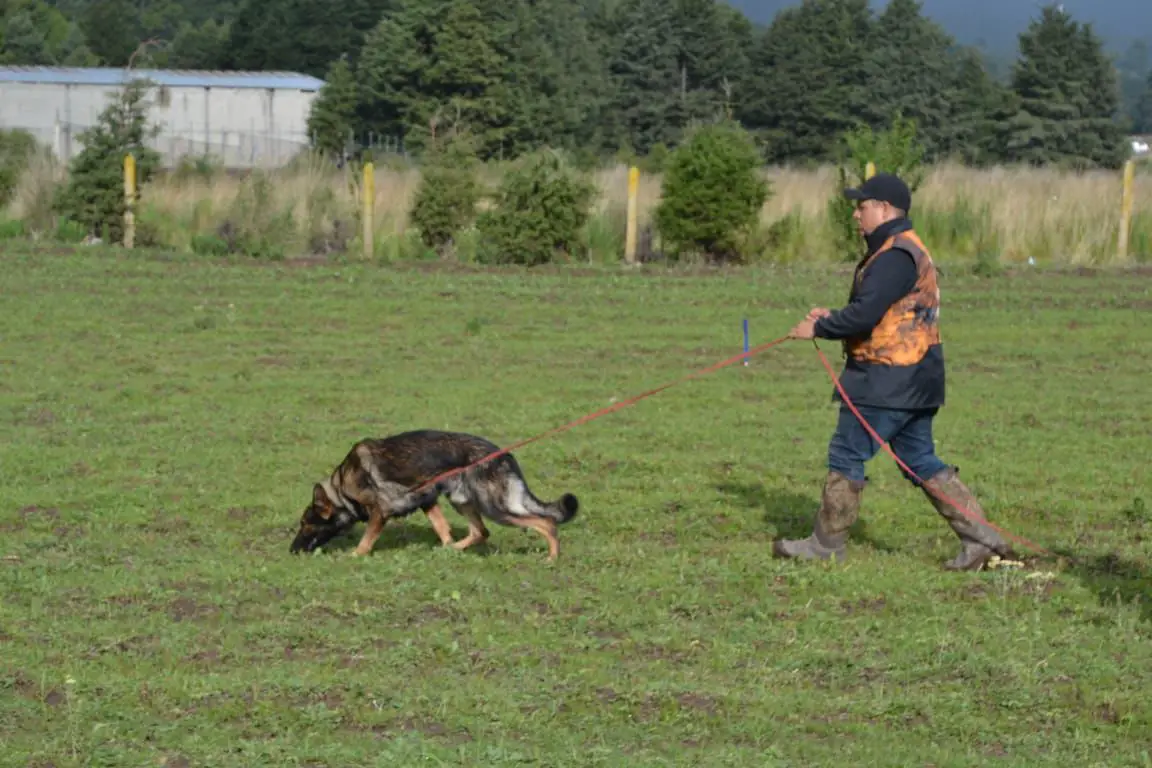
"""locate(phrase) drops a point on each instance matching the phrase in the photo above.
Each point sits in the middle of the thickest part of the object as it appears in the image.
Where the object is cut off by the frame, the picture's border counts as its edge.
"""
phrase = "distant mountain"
(994, 24)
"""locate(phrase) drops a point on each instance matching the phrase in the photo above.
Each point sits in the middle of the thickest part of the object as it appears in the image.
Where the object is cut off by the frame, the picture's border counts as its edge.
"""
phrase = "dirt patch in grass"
(208, 657)
(41, 417)
(433, 613)
(651, 707)
(698, 703)
(665, 539)
(425, 727)
(165, 524)
(30, 514)
(28, 689)
(49, 513)
(863, 605)
(660, 653)
(187, 609)
(140, 645)
(242, 513)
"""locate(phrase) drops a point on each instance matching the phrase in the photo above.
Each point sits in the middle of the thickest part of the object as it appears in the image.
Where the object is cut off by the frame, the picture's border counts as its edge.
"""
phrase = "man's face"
(870, 214)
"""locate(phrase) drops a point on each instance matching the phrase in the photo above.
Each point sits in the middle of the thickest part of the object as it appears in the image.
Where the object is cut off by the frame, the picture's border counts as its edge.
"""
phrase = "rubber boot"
(839, 508)
(980, 541)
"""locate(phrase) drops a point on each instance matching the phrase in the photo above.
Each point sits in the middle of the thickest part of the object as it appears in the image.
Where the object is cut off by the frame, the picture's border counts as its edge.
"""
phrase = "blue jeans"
(909, 433)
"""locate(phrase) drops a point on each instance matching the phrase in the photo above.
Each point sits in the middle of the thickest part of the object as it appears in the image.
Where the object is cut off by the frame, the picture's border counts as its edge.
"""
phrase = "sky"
(994, 24)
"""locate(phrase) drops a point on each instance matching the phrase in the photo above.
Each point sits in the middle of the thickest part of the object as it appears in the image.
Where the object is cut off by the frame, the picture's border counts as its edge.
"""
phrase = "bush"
(445, 202)
(541, 208)
(10, 229)
(94, 195)
(209, 245)
(896, 150)
(256, 228)
(71, 232)
(16, 147)
(713, 193)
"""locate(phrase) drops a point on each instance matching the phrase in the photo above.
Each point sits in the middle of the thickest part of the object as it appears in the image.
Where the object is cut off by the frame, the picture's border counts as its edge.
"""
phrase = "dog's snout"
(299, 543)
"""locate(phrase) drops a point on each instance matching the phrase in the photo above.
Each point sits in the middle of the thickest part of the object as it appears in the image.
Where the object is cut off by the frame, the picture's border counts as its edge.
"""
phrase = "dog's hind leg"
(542, 525)
(439, 524)
(477, 533)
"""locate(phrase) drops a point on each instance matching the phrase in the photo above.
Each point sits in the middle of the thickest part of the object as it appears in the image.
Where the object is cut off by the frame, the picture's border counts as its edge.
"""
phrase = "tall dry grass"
(1004, 214)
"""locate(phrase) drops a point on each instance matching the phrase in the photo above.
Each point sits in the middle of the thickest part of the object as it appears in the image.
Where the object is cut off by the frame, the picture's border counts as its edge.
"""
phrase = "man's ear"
(321, 502)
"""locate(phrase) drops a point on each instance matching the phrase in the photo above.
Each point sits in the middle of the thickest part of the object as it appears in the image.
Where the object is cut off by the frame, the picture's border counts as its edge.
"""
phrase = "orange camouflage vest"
(910, 327)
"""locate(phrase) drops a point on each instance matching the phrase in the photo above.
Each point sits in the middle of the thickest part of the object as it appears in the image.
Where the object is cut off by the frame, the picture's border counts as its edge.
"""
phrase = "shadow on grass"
(1113, 579)
(792, 514)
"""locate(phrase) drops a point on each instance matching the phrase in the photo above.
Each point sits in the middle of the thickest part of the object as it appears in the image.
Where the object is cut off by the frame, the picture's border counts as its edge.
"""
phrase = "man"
(894, 374)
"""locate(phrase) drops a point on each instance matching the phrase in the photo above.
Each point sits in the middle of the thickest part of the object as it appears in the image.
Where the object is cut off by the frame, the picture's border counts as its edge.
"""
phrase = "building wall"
(243, 127)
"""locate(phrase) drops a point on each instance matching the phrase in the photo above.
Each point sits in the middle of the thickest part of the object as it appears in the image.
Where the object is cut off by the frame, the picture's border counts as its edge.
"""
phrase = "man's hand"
(806, 329)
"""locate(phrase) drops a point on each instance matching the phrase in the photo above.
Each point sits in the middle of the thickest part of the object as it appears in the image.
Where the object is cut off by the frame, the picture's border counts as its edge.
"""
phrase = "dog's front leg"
(376, 520)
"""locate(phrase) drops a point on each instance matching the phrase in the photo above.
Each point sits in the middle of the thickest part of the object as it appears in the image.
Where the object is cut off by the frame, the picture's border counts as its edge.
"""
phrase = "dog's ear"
(321, 502)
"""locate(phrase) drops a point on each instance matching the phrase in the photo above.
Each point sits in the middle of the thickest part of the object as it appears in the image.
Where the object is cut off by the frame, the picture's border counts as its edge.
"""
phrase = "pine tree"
(646, 75)
(74, 50)
(429, 67)
(1068, 95)
(711, 56)
(912, 74)
(558, 80)
(300, 35)
(981, 109)
(198, 47)
(814, 72)
(392, 61)
(333, 114)
(464, 79)
(94, 195)
(111, 31)
(24, 43)
(742, 37)
(34, 33)
(1101, 135)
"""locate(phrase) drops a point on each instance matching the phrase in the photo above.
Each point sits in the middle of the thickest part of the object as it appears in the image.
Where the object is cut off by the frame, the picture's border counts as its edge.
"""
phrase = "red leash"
(710, 369)
(604, 411)
(864, 422)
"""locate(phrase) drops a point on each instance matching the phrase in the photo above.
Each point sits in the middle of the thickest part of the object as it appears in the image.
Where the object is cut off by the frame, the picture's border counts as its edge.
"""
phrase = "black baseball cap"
(885, 187)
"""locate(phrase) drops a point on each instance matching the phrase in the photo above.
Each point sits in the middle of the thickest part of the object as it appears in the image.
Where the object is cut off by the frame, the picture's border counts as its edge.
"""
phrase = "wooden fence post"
(129, 200)
(368, 192)
(630, 230)
(1126, 209)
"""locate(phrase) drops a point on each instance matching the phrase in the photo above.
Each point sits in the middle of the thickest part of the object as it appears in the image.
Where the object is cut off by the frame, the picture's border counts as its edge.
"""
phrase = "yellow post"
(369, 208)
(129, 201)
(1126, 209)
(870, 170)
(633, 204)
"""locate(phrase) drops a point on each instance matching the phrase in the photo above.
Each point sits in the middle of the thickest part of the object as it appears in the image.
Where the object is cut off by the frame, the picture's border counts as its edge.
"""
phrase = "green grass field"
(165, 420)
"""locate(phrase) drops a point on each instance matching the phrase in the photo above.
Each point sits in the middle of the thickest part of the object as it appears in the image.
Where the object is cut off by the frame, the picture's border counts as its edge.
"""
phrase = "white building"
(245, 119)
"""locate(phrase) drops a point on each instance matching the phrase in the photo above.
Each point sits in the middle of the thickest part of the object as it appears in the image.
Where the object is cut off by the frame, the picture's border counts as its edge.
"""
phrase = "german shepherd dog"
(375, 483)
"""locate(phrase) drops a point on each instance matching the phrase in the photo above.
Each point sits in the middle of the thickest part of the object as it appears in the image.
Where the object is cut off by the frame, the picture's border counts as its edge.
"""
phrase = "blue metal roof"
(173, 78)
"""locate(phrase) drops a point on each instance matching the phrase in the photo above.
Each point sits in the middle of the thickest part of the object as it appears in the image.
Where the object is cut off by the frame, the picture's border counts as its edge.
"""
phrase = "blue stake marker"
(745, 340)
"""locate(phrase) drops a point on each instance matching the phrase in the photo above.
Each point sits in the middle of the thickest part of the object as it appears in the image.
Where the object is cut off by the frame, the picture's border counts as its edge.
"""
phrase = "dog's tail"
(521, 501)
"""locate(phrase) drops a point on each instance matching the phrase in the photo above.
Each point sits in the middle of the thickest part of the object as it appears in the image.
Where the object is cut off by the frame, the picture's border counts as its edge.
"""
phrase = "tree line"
(626, 77)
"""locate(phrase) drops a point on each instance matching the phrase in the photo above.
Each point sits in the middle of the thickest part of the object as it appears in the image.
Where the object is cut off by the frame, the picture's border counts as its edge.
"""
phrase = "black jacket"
(890, 276)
